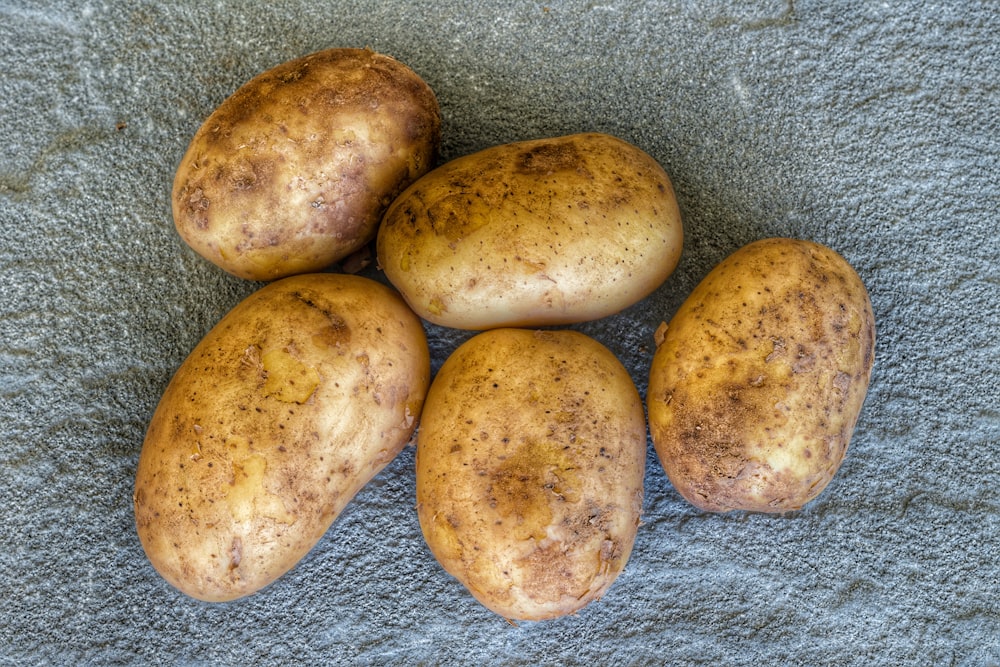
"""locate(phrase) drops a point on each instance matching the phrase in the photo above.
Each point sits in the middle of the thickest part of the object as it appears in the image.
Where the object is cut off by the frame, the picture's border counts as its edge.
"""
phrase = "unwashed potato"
(530, 461)
(543, 232)
(279, 416)
(293, 171)
(758, 381)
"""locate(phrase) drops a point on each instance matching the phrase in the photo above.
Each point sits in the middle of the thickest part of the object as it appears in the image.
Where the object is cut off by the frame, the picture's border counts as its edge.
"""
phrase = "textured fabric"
(871, 127)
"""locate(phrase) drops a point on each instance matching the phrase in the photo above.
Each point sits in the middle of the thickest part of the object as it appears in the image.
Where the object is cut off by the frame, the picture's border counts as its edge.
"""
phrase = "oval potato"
(758, 381)
(530, 462)
(279, 416)
(534, 233)
(293, 171)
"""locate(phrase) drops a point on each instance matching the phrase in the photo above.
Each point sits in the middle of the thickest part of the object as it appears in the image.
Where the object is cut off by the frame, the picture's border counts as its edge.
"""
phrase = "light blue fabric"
(871, 127)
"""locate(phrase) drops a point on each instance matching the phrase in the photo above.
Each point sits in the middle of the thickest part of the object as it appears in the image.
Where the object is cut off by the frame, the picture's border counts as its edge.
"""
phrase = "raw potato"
(545, 232)
(530, 461)
(757, 384)
(297, 398)
(293, 171)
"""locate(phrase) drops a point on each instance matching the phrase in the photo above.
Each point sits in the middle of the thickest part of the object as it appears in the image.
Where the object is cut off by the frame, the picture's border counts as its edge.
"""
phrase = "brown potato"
(758, 381)
(530, 462)
(534, 233)
(279, 416)
(293, 171)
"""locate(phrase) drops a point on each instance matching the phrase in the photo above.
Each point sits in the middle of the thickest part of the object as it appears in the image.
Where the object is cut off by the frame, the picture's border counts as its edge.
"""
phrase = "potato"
(757, 384)
(530, 462)
(279, 416)
(293, 171)
(544, 232)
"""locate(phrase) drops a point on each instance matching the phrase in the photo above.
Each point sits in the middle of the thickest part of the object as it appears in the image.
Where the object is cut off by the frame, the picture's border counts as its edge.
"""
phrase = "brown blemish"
(777, 351)
(547, 158)
(235, 553)
(516, 485)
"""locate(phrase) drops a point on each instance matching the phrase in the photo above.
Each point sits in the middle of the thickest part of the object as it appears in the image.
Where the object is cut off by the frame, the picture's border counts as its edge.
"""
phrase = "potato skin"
(278, 417)
(534, 233)
(530, 462)
(294, 170)
(757, 385)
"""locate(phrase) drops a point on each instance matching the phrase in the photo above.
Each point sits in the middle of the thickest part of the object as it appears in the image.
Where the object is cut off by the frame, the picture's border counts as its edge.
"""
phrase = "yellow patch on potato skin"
(759, 378)
(288, 379)
(276, 419)
(530, 462)
(248, 495)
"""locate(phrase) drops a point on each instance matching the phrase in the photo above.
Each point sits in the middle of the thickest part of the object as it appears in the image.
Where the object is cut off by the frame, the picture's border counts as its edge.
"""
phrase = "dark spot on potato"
(235, 553)
(548, 157)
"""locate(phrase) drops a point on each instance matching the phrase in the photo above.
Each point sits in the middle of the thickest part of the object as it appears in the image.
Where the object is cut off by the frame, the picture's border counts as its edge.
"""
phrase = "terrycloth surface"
(871, 127)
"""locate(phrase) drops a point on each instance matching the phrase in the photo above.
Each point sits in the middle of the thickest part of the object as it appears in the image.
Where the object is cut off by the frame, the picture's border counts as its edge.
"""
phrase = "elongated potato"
(293, 171)
(544, 232)
(279, 416)
(530, 461)
(758, 381)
